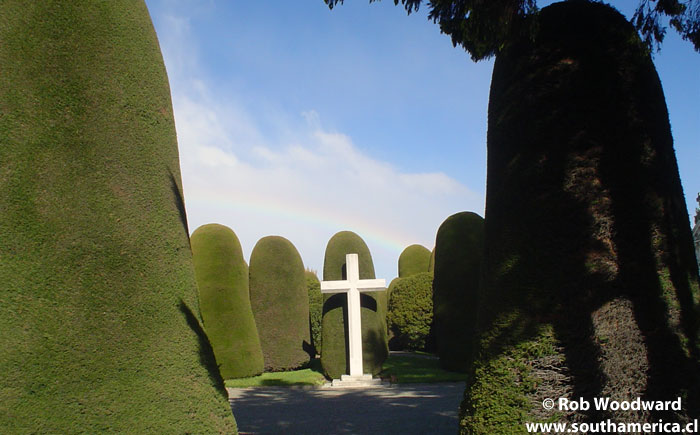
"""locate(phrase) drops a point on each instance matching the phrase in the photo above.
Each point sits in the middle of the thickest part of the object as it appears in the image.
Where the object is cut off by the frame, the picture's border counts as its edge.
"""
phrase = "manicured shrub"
(458, 251)
(280, 303)
(696, 232)
(414, 259)
(222, 277)
(313, 286)
(588, 266)
(410, 314)
(431, 264)
(373, 310)
(98, 300)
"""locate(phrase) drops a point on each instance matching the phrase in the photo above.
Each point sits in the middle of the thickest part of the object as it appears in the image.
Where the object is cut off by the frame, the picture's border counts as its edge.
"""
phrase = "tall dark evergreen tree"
(590, 287)
(483, 28)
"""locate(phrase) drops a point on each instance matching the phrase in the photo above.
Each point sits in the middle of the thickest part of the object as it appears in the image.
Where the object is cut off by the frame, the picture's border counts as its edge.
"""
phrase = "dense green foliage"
(280, 302)
(431, 264)
(373, 310)
(696, 233)
(414, 259)
(410, 314)
(99, 328)
(222, 278)
(458, 253)
(590, 285)
(315, 309)
(484, 28)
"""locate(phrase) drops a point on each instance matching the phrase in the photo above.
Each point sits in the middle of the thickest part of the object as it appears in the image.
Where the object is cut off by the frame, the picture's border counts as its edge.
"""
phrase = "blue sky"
(299, 121)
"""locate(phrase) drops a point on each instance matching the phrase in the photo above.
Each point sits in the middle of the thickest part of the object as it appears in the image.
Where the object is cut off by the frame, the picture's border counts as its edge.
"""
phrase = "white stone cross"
(353, 285)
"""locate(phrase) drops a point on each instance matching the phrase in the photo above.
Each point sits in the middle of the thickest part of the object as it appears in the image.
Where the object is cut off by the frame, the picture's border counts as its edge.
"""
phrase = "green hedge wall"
(431, 264)
(280, 303)
(414, 259)
(458, 252)
(589, 259)
(410, 315)
(373, 310)
(98, 299)
(222, 277)
(313, 285)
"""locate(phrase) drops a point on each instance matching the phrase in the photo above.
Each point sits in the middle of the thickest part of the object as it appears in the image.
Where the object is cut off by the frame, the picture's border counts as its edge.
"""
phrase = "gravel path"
(404, 409)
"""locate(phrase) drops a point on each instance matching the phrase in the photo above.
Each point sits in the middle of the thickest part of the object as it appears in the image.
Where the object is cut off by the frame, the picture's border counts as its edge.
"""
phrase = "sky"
(298, 121)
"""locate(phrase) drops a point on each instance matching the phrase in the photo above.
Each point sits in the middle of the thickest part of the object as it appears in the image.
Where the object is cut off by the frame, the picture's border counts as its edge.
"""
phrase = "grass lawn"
(418, 368)
(406, 369)
(312, 375)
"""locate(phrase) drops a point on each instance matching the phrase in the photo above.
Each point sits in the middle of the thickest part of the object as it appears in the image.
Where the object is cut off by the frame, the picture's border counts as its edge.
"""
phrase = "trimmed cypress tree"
(373, 310)
(98, 299)
(696, 232)
(280, 303)
(590, 285)
(414, 259)
(222, 277)
(431, 264)
(458, 252)
(410, 315)
(313, 285)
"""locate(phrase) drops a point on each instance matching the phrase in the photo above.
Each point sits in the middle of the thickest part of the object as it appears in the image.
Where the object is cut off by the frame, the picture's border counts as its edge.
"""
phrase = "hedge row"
(313, 285)
(414, 259)
(458, 252)
(280, 302)
(222, 277)
(410, 315)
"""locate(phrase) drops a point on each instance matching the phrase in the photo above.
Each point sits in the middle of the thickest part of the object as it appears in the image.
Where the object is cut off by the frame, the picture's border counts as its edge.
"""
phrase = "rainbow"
(387, 238)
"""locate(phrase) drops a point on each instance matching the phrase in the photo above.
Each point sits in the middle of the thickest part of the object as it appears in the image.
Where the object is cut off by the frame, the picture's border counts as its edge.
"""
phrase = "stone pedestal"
(362, 381)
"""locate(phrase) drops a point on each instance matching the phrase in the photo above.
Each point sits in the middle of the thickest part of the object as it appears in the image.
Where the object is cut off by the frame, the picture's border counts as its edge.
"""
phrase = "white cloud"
(212, 156)
(306, 186)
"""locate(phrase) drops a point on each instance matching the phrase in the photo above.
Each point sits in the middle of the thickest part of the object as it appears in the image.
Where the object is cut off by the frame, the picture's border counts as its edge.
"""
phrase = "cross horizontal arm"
(371, 285)
(363, 285)
(335, 286)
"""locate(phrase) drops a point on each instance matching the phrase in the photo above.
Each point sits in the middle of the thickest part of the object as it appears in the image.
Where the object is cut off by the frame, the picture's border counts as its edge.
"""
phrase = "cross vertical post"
(354, 315)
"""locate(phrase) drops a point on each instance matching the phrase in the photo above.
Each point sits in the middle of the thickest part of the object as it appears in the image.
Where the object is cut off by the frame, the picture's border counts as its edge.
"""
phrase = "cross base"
(364, 381)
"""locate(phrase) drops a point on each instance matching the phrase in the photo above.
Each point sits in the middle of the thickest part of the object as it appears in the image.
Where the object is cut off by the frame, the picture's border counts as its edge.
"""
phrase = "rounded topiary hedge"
(458, 251)
(313, 285)
(98, 299)
(414, 259)
(373, 310)
(222, 277)
(280, 302)
(589, 269)
(410, 314)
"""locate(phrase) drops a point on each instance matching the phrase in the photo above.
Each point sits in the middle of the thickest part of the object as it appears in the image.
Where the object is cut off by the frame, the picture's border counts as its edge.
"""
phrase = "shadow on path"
(405, 409)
